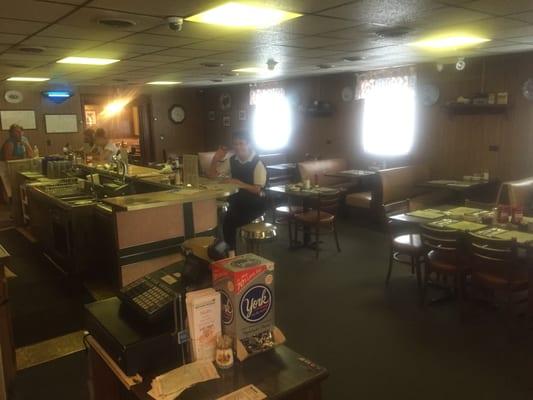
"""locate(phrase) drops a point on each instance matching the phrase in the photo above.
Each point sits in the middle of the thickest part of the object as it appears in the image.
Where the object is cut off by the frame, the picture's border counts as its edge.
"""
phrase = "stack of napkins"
(170, 385)
(203, 315)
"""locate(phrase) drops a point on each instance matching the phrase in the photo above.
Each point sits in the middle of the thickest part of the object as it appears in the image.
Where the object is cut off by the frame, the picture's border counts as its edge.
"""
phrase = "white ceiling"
(329, 31)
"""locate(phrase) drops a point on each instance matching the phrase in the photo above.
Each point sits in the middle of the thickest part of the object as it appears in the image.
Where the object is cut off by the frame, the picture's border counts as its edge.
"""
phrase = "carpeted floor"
(43, 305)
(376, 343)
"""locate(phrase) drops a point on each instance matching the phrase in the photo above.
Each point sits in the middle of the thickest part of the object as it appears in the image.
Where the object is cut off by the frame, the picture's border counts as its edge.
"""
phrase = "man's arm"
(260, 177)
(219, 156)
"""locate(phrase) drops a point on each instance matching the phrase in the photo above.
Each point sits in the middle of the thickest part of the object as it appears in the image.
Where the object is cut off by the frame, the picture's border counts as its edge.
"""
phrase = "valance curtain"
(257, 93)
(377, 81)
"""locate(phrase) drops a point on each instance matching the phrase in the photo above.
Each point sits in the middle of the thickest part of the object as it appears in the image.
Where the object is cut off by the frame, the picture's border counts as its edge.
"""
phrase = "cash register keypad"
(149, 296)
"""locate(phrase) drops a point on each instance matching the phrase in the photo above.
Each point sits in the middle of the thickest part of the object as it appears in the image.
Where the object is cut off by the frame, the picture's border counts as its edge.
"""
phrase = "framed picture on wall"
(242, 115)
(211, 115)
(226, 121)
(90, 117)
(24, 118)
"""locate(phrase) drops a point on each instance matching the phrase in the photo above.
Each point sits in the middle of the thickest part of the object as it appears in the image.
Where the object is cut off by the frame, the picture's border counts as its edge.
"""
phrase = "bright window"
(389, 112)
(272, 119)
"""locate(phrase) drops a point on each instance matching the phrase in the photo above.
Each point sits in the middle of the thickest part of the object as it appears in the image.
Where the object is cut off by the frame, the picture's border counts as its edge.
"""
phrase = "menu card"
(204, 318)
(171, 384)
(249, 392)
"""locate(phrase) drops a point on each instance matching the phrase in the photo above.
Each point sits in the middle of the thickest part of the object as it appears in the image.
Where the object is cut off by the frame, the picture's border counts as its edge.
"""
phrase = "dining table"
(470, 219)
(297, 193)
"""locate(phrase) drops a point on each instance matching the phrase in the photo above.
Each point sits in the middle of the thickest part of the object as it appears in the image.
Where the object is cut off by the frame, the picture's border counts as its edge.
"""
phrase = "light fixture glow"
(260, 71)
(450, 42)
(87, 61)
(163, 83)
(58, 94)
(114, 107)
(26, 79)
(239, 15)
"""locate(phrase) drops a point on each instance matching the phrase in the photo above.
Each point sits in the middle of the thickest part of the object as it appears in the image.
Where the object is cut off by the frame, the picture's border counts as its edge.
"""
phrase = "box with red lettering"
(246, 285)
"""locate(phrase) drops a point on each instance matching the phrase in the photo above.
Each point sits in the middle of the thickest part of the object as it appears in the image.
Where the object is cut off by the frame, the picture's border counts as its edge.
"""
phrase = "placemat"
(521, 237)
(463, 210)
(427, 214)
(466, 226)
(443, 223)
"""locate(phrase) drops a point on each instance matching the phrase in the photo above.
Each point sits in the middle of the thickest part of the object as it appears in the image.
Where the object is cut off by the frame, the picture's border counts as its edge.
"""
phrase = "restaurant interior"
(289, 199)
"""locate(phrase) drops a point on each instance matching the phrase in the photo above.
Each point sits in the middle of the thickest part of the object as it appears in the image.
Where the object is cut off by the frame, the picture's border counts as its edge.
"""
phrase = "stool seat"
(408, 243)
(287, 210)
(258, 231)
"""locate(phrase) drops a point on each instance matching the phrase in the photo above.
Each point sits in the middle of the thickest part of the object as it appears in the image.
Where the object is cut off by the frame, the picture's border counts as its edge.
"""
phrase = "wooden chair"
(444, 256)
(320, 217)
(496, 267)
(403, 242)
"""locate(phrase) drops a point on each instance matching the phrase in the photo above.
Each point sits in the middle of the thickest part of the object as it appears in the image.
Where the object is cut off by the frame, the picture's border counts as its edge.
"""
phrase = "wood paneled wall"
(453, 146)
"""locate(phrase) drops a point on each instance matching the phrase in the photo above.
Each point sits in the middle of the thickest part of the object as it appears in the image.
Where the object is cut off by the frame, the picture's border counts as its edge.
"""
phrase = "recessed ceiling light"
(26, 79)
(87, 61)
(450, 42)
(393, 32)
(216, 80)
(116, 22)
(240, 15)
(250, 70)
(163, 83)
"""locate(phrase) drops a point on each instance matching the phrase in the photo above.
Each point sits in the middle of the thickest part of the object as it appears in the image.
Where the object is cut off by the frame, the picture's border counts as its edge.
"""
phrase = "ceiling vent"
(325, 66)
(216, 80)
(31, 49)
(116, 22)
(393, 32)
(212, 64)
(353, 58)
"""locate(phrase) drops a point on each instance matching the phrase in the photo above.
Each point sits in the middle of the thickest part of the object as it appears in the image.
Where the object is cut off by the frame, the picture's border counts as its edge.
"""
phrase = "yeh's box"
(246, 285)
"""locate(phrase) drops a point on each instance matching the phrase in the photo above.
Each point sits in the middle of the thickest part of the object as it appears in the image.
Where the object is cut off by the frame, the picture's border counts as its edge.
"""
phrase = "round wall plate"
(176, 113)
(527, 89)
(347, 93)
(13, 96)
(428, 94)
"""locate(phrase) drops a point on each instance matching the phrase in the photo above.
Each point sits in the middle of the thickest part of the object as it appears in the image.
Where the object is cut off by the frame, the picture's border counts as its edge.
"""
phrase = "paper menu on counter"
(171, 384)
(249, 392)
(204, 318)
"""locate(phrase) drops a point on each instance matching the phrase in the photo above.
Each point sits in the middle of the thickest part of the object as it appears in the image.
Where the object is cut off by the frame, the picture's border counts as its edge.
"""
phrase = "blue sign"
(256, 303)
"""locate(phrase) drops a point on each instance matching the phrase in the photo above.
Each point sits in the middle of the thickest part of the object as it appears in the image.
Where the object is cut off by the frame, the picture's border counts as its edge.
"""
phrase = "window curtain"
(257, 93)
(369, 83)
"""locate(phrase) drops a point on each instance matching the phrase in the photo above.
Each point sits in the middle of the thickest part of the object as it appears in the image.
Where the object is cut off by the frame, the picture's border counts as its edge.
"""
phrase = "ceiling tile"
(526, 17)
(447, 16)
(188, 53)
(33, 10)
(160, 8)
(311, 25)
(312, 42)
(72, 32)
(157, 40)
(515, 48)
(69, 44)
(20, 27)
(157, 58)
(122, 49)
(307, 6)
(192, 30)
(501, 7)
(295, 51)
(390, 12)
(217, 45)
(88, 18)
(6, 38)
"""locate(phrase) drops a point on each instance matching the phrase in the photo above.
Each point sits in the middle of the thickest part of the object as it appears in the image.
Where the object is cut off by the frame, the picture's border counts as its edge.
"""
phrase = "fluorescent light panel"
(163, 83)
(450, 42)
(26, 79)
(87, 61)
(240, 15)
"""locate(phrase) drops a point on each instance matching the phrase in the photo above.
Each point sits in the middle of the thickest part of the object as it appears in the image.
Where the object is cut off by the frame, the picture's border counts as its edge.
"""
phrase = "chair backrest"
(319, 168)
(494, 256)
(205, 159)
(325, 202)
(393, 227)
(447, 243)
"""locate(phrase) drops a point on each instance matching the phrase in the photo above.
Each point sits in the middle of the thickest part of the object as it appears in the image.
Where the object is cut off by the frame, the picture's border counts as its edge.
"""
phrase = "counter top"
(206, 191)
(134, 171)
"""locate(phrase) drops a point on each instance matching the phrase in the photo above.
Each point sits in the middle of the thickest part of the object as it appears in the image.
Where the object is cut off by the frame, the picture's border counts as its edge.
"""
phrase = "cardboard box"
(246, 285)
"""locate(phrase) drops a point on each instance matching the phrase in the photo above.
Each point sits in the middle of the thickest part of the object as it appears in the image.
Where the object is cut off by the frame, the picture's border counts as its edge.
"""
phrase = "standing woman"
(16, 147)
(248, 172)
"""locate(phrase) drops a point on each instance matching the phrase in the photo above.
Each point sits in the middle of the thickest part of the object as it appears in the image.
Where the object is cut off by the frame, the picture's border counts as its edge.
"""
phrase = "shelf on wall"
(465, 109)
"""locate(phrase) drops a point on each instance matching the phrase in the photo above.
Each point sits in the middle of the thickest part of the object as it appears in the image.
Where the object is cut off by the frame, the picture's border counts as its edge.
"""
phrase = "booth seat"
(396, 184)
(319, 169)
(517, 193)
(205, 158)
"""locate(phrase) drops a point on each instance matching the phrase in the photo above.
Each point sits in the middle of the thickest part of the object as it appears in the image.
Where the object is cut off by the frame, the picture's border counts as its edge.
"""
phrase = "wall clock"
(176, 113)
(225, 101)
(13, 96)
(347, 93)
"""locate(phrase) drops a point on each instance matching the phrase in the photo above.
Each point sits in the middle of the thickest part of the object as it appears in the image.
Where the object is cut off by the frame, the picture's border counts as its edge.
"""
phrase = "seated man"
(249, 174)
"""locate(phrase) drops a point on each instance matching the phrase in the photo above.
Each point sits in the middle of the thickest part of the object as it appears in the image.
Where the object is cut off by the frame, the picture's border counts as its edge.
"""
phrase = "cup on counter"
(307, 184)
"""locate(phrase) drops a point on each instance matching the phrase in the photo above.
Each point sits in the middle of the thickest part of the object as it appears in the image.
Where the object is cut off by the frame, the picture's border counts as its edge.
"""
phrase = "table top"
(282, 167)
(298, 191)
(453, 217)
(350, 173)
(452, 184)
(277, 373)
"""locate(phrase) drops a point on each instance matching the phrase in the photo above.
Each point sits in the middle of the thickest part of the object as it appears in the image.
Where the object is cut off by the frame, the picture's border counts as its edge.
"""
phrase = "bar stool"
(257, 233)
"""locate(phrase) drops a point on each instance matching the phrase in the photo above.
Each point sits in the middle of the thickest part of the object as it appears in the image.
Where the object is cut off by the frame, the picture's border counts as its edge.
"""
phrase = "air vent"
(325, 66)
(116, 22)
(31, 49)
(120, 80)
(16, 65)
(212, 64)
(393, 32)
(216, 80)
(353, 58)
(229, 74)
